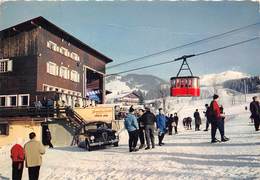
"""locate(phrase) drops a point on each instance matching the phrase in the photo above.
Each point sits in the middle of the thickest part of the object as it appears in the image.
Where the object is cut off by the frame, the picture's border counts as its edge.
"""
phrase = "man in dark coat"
(149, 120)
(255, 112)
(176, 121)
(170, 124)
(141, 128)
(207, 115)
(48, 138)
(197, 120)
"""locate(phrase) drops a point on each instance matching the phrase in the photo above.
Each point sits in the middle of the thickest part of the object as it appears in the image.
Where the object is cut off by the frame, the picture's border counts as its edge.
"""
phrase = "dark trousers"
(141, 135)
(34, 172)
(170, 130)
(160, 138)
(217, 124)
(17, 171)
(133, 138)
(256, 123)
(176, 129)
(149, 135)
(197, 127)
(207, 124)
(50, 144)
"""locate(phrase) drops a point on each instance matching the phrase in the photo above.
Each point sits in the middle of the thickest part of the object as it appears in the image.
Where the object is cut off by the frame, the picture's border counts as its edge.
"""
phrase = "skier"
(141, 128)
(176, 120)
(33, 151)
(149, 120)
(131, 125)
(255, 112)
(197, 120)
(216, 121)
(17, 156)
(207, 115)
(161, 126)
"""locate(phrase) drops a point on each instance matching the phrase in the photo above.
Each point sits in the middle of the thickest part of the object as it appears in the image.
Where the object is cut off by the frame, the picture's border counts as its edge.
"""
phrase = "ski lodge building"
(39, 60)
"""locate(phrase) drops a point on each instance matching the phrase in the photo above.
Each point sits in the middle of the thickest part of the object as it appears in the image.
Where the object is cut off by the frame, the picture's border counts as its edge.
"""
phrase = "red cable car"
(185, 86)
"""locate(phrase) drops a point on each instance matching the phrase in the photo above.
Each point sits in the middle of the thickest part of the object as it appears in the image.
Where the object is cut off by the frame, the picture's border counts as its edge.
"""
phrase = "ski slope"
(188, 155)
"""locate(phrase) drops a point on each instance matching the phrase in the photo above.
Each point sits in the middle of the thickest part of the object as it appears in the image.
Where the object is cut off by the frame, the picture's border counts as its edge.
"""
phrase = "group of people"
(142, 125)
(31, 153)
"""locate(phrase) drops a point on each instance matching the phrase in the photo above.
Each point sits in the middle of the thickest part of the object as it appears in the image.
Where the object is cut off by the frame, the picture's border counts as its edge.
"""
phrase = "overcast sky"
(127, 30)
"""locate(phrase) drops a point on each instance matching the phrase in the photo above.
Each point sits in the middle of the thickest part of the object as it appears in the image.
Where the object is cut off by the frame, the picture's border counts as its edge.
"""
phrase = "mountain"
(150, 86)
(220, 78)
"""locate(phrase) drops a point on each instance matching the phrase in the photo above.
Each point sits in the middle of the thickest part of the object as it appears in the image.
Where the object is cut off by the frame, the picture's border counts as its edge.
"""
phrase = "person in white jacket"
(33, 156)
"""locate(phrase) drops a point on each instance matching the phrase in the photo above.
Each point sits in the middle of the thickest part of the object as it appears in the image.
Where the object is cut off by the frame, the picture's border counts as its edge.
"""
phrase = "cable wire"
(180, 58)
(184, 45)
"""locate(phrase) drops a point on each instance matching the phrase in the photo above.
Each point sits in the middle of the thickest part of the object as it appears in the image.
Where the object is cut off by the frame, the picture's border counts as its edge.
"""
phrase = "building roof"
(44, 23)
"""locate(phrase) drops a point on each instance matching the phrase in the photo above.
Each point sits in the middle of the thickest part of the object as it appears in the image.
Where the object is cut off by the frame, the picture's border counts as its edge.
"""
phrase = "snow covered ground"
(188, 155)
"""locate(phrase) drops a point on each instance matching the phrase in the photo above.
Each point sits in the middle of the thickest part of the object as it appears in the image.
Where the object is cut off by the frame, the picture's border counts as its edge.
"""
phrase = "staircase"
(77, 122)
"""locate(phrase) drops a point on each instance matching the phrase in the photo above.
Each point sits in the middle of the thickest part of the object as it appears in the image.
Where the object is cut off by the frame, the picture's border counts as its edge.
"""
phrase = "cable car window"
(190, 83)
(195, 83)
(177, 83)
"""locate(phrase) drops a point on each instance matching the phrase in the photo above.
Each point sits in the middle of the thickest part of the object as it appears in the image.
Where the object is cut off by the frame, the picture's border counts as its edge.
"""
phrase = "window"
(74, 56)
(52, 68)
(13, 101)
(64, 72)
(74, 76)
(4, 129)
(52, 45)
(3, 101)
(24, 100)
(6, 65)
(64, 51)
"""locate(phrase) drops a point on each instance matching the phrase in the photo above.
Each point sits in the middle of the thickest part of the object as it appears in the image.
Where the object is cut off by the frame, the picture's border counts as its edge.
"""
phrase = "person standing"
(149, 120)
(176, 121)
(255, 112)
(141, 128)
(161, 126)
(17, 156)
(216, 121)
(33, 156)
(48, 138)
(197, 120)
(207, 115)
(131, 125)
(170, 124)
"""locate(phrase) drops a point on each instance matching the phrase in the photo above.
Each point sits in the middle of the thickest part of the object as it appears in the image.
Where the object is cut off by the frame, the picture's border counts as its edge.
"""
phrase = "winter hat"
(215, 96)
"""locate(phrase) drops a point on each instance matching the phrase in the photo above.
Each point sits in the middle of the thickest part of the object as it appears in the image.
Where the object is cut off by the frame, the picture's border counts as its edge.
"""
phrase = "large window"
(6, 65)
(24, 100)
(4, 129)
(74, 76)
(52, 68)
(2, 101)
(64, 51)
(64, 72)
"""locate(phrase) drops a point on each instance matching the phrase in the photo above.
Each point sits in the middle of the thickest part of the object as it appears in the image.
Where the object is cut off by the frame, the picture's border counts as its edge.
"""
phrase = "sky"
(128, 30)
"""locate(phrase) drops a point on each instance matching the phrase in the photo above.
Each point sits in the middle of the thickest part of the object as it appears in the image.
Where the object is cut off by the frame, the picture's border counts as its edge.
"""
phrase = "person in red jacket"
(17, 156)
(217, 122)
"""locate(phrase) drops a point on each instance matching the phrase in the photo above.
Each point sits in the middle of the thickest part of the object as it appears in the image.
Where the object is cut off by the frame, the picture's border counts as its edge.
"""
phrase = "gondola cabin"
(185, 86)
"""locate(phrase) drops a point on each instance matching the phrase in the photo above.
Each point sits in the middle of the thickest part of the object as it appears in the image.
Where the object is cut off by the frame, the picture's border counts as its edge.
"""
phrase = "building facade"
(39, 60)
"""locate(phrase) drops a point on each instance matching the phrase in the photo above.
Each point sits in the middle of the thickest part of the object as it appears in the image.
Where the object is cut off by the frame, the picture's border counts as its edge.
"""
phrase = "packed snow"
(187, 155)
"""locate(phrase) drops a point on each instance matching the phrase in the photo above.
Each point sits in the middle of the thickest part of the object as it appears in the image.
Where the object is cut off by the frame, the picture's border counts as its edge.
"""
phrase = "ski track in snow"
(188, 155)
